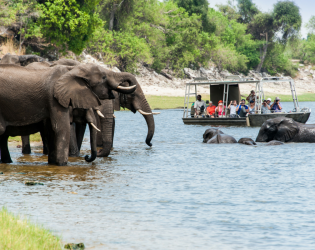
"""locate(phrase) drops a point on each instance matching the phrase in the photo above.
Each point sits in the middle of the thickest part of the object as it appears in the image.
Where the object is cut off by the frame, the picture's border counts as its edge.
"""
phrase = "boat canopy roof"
(236, 80)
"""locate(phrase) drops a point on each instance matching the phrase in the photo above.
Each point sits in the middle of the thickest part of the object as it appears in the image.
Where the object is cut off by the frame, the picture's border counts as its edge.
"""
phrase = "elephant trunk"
(93, 132)
(121, 78)
(144, 106)
(107, 136)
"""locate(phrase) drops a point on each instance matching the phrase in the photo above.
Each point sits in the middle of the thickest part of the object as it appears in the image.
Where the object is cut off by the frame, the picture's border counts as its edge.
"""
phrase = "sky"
(307, 9)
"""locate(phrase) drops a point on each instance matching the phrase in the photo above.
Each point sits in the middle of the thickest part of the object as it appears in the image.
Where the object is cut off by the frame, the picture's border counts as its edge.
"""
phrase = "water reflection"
(179, 194)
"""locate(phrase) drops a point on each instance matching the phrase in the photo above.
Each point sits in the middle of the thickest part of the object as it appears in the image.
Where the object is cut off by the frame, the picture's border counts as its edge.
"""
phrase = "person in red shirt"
(211, 110)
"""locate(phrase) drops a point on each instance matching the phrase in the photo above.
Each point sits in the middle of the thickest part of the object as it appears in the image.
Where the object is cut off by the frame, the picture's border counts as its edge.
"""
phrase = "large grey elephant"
(214, 135)
(31, 96)
(106, 120)
(285, 130)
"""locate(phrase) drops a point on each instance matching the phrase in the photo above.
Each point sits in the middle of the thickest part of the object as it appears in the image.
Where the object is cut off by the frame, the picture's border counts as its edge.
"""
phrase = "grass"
(19, 234)
(12, 47)
(170, 102)
(34, 137)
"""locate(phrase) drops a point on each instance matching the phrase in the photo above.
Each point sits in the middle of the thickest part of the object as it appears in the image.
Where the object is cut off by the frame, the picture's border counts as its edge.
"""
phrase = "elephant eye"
(104, 77)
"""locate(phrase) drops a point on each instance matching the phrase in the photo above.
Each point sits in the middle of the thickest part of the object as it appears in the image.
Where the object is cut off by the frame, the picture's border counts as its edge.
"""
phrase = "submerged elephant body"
(247, 141)
(286, 130)
(214, 135)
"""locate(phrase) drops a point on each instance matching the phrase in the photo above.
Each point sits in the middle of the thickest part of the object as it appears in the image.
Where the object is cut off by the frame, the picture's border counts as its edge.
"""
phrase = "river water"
(179, 194)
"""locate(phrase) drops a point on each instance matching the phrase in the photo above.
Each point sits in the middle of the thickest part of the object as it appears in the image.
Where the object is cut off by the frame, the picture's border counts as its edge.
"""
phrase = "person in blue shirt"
(276, 106)
(242, 109)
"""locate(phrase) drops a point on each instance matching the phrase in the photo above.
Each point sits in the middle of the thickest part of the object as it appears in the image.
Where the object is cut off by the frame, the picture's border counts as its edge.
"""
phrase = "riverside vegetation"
(170, 34)
(18, 233)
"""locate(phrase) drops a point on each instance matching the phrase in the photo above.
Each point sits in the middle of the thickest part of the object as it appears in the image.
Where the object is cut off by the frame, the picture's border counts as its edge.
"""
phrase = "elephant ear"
(287, 130)
(74, 87)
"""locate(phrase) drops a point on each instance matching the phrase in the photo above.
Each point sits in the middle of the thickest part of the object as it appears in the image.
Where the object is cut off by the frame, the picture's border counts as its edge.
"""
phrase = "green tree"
(69, 24)
(311, 25)
(198, 7)
(247, 10)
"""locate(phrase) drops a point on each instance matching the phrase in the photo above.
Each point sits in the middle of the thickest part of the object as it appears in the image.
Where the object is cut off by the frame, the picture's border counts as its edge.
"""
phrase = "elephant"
(286, 130)
(106, 120)
(209, 133)
(31, 96)
(214, 135)
(21, 60)
(274, 143)
(247, 141)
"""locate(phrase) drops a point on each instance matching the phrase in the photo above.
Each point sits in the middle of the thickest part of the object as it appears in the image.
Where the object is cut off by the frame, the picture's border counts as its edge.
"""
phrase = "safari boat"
(228, 90)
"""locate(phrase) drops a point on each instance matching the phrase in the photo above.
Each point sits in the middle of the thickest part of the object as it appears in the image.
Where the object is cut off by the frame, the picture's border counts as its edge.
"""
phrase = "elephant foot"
(26, 150)
(61, 164)
(102, 153)
(6, 161)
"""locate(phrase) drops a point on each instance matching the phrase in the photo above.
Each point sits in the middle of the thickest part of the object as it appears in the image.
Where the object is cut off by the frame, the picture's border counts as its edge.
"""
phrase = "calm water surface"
(179, 194)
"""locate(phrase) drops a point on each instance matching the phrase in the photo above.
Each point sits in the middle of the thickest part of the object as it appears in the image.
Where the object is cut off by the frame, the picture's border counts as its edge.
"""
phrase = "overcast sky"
(307, 8)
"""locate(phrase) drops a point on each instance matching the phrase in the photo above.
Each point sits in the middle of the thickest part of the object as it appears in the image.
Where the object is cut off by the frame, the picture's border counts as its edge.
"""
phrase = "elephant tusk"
(127, 88)
(100, 113)
(95, 127)
(156, 113)
(143, 113)
(114, 116)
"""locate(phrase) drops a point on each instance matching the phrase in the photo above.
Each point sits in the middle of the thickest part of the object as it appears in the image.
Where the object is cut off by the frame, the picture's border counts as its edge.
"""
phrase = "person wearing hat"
(276, 106)
(199, 106)
(232, 108)
(211, 109)
(252, 96)
(269, 101)
(220, 110)
(265, 108)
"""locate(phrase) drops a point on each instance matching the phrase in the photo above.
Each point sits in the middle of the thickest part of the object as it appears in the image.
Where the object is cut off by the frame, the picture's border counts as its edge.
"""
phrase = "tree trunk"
(263, 55)
(112, 17)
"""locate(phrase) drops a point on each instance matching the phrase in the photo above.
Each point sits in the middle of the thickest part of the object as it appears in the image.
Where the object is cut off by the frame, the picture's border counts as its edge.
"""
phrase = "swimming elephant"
(286, 130)
(247, 141)
(274, 143)
(209, 133)
(214, 135)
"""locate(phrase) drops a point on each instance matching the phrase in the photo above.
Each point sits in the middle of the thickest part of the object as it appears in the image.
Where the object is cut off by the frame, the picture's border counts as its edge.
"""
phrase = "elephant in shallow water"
(214, 135)
(247, 141)
(31, 96)
(286, 130)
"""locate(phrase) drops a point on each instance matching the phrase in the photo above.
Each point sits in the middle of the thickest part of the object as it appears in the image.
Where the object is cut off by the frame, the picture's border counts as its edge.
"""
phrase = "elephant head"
(211, 132)
(280, 129)
(86, 84)
(137, 102)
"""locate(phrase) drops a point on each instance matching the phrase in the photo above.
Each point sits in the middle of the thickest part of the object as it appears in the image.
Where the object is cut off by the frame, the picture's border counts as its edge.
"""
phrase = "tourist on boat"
(232, 107)
(199, 106)
(220, 110)
(269, 101)
(252, 96)
(242, 109)
(211, 110)
(251, 107)
(276, 106)
(265, 108)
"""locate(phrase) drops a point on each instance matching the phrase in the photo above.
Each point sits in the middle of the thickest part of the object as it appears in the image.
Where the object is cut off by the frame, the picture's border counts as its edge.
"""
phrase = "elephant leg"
(73, 146)
(45, 143)
(26, 147)
(50, 138)
(99, 139)
(5, 154)
(62, 135)
(80, 131)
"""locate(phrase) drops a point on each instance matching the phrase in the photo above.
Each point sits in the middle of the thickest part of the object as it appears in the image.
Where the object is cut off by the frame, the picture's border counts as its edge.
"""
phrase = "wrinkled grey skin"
(274, 143)
(214, 135)
(209, 133)
(286, 130)
(31, 96)
(222, 138)
(20, 60)
(247, 141)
